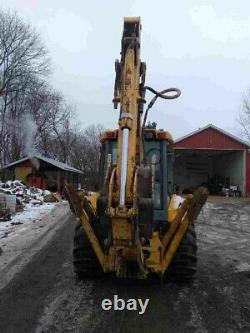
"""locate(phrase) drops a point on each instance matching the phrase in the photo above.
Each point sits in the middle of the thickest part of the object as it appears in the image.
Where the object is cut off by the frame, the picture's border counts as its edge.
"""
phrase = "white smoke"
(30, 130)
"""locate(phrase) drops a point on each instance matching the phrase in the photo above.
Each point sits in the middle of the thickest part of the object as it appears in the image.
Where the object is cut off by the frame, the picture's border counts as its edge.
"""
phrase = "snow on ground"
(19, 243)
(242, 267)
(21, 220)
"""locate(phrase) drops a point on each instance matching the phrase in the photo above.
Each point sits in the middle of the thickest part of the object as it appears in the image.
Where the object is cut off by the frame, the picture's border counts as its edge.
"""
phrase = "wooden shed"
(43, 172)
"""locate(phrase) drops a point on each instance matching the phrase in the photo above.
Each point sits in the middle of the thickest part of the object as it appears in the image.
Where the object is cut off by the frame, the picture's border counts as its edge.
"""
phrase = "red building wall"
(37, 181)
(209, 139)
(248, 173)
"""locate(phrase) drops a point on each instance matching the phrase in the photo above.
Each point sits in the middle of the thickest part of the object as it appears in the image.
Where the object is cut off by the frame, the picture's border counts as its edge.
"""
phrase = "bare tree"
(35, 118)
(21, 52)
(85, 154)
(244, 116)
(65, 131)
(23, 58)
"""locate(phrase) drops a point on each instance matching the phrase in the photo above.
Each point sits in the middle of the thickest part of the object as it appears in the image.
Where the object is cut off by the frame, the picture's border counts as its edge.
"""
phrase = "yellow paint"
(171, 212)
(93, 239)
(174, 244)
(21, 172)
(76, 201)
(132, 19)
(154, 260)
(121, 229)
(93, 200)
(129, 90)
(164, 135)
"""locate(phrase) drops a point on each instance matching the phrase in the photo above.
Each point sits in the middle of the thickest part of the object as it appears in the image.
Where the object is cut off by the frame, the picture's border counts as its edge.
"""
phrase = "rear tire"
(183, 266)
(86, 264)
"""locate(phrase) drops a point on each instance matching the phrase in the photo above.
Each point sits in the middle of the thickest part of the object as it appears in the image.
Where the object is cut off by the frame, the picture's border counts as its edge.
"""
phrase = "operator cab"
(158, 153)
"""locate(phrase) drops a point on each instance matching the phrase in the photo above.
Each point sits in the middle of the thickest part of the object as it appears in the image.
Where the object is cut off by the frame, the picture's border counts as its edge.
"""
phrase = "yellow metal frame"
(126, 243)
(161, 250)
(129, 97)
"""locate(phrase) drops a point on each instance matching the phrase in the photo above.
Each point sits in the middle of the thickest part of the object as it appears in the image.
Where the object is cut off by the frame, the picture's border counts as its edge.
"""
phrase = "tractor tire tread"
(183, 265)
(86, 264)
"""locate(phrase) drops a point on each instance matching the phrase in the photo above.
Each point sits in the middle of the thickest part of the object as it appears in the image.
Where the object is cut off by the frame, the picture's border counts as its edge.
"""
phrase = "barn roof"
(215, 128)
(59, 165)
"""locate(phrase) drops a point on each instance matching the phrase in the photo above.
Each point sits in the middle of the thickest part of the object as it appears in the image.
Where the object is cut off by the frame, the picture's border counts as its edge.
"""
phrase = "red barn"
(212, 157)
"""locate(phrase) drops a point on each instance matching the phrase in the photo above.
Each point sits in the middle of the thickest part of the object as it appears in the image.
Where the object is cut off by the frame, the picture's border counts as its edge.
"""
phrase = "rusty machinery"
(135, 226)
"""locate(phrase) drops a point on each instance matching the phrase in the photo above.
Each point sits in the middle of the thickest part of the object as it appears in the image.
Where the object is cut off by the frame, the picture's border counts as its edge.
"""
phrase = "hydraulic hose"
(162, 94)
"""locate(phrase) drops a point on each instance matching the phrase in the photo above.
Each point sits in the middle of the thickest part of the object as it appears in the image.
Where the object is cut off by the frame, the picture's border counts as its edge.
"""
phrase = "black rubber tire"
(86, 264)
(184, 263)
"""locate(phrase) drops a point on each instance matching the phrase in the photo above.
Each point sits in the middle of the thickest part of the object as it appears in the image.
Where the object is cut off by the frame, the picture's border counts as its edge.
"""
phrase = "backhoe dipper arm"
(127, 92)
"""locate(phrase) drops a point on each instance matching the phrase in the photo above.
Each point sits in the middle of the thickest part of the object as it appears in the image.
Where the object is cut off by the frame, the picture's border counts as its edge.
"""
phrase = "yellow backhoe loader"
(135, 226)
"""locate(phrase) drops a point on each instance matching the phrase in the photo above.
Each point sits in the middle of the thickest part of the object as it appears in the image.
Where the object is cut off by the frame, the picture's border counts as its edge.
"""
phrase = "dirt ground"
(45, 295)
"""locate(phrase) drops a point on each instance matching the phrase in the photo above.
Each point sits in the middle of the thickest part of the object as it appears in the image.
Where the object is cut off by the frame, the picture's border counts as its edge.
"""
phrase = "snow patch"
(21, 220)
(242, 267)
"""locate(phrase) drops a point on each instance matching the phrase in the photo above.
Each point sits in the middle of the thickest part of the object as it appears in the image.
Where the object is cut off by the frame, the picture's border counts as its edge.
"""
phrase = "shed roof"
(59, 165)
(195, 136)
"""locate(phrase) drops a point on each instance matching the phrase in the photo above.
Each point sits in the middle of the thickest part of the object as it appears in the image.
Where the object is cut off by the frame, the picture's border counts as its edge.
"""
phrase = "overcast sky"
(201, 47)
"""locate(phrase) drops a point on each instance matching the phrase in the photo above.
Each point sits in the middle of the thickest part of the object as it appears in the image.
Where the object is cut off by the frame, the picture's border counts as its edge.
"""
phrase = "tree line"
(34, 117)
